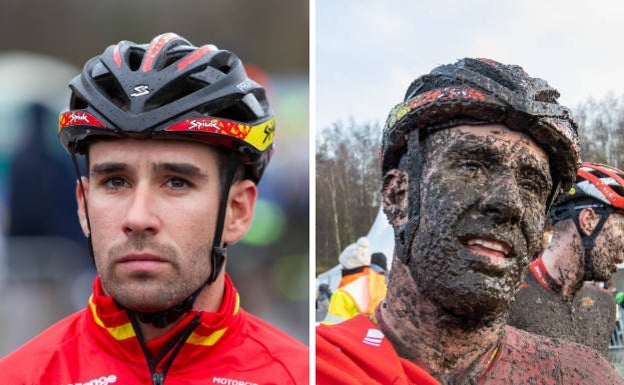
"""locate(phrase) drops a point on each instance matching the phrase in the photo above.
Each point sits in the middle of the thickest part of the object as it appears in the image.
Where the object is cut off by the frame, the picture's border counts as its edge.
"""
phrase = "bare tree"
(347, 187)
(601, 125)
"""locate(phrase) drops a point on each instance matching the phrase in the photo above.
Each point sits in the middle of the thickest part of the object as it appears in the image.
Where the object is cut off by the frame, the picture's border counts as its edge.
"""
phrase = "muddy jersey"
(98, 345)
(588, 317)
(356, 352)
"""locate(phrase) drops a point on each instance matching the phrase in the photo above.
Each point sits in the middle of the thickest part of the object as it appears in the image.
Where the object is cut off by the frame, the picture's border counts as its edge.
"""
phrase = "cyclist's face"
(608, 250)
(482, 211)
(152, 207)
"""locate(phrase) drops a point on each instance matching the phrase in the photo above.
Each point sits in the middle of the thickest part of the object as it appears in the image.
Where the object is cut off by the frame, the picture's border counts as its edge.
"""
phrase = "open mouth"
(498, 253)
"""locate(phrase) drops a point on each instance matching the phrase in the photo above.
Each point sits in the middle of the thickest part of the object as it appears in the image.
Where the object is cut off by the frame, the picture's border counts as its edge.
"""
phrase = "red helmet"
(598, 183)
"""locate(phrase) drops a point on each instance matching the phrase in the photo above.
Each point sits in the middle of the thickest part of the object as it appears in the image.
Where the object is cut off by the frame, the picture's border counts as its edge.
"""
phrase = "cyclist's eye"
(177, 183)
(115, 183)
(471, 168)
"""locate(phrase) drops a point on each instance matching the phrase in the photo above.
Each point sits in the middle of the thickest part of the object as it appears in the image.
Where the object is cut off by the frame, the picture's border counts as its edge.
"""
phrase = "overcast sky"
(368, 52)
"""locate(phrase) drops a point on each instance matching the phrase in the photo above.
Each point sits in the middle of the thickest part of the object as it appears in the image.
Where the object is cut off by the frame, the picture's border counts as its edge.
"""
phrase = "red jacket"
(98, 345)
(355, 352)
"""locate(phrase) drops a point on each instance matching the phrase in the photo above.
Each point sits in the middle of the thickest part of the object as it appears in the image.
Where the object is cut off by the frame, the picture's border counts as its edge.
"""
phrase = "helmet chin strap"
(589, 241)
(163, 318)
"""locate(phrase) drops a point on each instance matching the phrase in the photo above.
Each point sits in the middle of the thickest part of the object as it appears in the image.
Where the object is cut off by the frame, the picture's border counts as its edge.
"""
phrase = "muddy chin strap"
(165, 317)
(403, 238)
(589, 241)
(572, 210)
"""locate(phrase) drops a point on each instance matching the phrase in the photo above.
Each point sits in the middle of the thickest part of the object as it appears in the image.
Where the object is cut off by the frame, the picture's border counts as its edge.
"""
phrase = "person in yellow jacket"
(361, 288)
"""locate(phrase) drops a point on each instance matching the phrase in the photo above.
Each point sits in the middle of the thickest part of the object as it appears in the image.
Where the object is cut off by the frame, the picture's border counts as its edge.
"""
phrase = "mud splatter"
(586, 317)
(608, 250)
(394, 189)
(575, 311)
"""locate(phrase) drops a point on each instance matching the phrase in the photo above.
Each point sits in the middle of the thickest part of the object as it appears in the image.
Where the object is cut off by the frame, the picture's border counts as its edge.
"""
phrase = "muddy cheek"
(409, 308)
(533, 230)
(604, 254)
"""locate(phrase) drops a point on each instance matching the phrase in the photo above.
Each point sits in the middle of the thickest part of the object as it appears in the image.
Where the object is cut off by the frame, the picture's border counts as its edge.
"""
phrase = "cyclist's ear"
(239, 211)
(395, 194)
(588, 218)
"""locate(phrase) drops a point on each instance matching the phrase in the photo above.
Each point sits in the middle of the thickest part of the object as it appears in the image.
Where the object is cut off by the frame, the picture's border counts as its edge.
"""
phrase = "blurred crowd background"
(45, 268)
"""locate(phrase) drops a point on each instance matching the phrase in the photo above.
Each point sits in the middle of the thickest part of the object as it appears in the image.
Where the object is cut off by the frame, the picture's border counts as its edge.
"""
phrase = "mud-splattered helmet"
(483, 91)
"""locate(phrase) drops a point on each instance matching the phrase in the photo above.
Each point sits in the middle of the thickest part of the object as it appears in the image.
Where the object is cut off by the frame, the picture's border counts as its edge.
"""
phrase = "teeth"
(490, 245)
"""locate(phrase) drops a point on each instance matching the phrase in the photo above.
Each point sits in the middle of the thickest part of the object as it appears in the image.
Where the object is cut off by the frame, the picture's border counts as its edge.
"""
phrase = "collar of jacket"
(214, 325)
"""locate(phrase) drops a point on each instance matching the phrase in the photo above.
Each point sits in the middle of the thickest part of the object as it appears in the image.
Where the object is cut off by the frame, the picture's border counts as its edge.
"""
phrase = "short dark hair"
(380, 260)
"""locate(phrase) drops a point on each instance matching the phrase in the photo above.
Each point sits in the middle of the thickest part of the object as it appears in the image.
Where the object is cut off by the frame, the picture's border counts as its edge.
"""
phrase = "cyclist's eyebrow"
(473, 146)
(187, 169)
(107, 168)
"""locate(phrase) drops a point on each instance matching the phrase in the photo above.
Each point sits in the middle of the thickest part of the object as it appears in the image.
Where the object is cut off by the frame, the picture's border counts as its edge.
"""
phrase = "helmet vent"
(491, 70)
(174, 57)
(77, 103)
(109, 86)
(135, 57)
(173, 92)
(618, 189)
(233, 111)
(222, 61)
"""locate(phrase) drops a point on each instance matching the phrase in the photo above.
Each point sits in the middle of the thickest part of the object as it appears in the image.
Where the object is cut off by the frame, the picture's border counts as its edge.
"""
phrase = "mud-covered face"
(608, 250)
(483, 193)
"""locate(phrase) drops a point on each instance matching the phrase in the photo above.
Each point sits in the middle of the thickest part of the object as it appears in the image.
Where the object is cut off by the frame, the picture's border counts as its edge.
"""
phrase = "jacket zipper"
(158, 377)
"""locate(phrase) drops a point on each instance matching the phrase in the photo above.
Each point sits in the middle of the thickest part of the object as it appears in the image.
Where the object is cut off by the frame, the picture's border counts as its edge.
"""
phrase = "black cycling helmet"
(482, 91)
(598, 186)
(170, 89)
